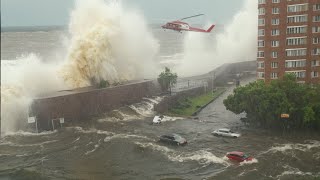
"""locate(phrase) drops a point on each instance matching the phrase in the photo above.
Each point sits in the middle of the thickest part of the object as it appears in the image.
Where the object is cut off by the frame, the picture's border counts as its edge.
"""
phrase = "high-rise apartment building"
(289, 39)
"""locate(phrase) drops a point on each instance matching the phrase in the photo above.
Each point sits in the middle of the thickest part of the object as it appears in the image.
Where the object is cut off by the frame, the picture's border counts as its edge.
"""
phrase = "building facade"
(289, 39)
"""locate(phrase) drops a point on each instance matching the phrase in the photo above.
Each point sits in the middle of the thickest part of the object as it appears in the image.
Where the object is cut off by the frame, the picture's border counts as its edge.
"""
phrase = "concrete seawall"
(79, 106)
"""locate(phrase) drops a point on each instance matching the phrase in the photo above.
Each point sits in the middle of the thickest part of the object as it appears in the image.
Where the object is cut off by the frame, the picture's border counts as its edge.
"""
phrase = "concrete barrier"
(76, 106)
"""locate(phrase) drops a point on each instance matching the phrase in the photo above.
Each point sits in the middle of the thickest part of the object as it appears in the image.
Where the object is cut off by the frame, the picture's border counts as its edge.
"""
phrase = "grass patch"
(187, 106)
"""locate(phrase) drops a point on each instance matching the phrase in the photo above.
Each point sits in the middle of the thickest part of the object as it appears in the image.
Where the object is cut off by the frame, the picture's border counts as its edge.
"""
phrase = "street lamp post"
(213, 76)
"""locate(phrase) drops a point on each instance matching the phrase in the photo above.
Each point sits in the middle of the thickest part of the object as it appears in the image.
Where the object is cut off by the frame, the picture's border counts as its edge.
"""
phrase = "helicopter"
(179, 25)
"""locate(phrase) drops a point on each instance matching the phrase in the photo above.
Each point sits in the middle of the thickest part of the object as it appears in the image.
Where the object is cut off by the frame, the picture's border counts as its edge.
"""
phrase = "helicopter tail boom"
(210, 28)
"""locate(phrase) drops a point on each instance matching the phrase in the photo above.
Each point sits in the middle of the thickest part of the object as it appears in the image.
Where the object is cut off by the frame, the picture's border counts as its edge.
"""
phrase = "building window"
(295, 63)
(261, 22)
(316, 7)
(315, 63)
(260, 54)
(261, 1)
(260, 75)
(296, 52)
(261, 11)
(261, 32)
(297, 18)
(316, 18)
(274, 54)
(316, 40)
(275, 32)
(275, 43)
(261, 43)
(296, 29)
(260, 65)
(298, 74)
(275, 1)
(315, 51)
(297, 7)
(296, 41)
(275, 21)
(274, 65)
(274, 75)
(316, 29)
(314, 74)
(275, 10)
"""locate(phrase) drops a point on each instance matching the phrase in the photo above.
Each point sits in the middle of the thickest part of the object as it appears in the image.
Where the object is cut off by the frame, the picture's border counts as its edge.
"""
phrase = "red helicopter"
(182, 26)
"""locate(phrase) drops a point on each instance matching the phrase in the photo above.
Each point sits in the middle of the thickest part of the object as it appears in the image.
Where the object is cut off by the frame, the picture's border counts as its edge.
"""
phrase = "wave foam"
(125, 136)
(144, 108)
(254, 160)
(24, 133)
(21, 81)
(136, 111)
(202, 156)
(96, 146)
(234, 43)
(295, 171)
(169, 118)
(309, 144)
(112, 44)
(27, 145)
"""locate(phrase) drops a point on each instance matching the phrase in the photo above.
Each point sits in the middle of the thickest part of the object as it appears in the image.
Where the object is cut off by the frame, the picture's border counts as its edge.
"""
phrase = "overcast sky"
(56, 12)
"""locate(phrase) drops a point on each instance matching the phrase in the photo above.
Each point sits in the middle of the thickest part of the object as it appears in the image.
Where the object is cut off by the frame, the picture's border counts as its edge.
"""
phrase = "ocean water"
(51, 42)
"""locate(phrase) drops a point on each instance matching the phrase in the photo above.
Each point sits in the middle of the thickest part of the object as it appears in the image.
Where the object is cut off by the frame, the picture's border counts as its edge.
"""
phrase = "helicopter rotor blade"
(192, 16)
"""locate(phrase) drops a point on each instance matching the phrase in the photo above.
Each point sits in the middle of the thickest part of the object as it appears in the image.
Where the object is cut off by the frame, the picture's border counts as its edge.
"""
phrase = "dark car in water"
(173, 139)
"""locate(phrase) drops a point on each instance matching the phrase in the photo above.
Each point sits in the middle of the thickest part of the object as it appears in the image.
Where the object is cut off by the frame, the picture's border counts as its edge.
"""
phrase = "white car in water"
(225, 132)
(157, 119)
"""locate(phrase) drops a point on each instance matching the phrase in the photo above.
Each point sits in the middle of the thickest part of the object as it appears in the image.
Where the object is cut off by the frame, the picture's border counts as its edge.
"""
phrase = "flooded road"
(112, 148)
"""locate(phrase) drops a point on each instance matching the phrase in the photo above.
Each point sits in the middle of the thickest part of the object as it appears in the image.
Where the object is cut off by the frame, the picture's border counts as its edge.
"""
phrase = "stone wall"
(76, 107)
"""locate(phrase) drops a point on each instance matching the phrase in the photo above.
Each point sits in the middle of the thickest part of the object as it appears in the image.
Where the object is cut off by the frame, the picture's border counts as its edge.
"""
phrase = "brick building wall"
(286, 27)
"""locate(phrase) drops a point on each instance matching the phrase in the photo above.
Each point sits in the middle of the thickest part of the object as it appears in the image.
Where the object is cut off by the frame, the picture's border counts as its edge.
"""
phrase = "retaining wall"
(170, 101)
(76, 107)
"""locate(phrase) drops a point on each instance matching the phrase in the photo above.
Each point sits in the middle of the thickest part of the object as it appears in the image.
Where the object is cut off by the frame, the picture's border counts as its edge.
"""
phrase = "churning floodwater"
(127, 147)
(124, 144)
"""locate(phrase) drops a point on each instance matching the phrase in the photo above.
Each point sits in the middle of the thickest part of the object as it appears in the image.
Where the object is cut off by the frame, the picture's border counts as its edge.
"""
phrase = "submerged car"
(173, 139)
(238, 156)
(225, 132)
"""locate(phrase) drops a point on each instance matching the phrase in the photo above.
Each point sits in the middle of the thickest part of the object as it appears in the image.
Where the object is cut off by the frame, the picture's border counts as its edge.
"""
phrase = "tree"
(264, 103)
(167, 79)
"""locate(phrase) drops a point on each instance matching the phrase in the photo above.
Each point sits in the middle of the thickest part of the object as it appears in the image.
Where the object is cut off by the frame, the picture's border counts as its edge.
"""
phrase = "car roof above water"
(224, 129)
(171, 135)
(236, 153)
